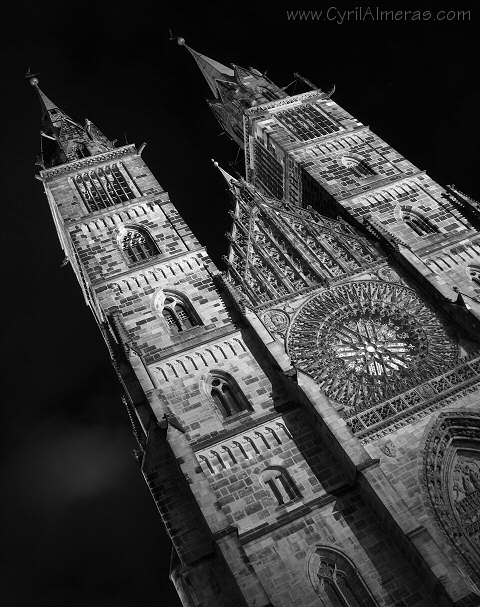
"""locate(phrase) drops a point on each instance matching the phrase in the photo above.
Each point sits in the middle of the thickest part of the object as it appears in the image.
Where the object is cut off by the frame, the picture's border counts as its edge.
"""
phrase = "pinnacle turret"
(277, 250)
(63, 139)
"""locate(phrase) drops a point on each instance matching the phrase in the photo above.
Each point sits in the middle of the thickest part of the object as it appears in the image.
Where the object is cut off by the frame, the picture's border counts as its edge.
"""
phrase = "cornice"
(78, 165)
(153, 263)
(286, 101)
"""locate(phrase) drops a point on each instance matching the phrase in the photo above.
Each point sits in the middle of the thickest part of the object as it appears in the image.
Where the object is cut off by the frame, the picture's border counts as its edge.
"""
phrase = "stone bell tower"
(307, 422)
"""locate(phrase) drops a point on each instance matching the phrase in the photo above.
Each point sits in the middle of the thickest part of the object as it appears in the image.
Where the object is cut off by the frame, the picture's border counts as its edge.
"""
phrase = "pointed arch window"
(178, 313)
(103, 187)
(419, 224)
(280, 484)
(307, 122)
(337, 581)
(226, 395)
(81, 151)
(358, 166)
(474, 273)
(137, 244)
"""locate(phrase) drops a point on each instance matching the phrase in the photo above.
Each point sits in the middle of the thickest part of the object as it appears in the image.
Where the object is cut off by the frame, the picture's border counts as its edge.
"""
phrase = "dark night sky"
(79, 526)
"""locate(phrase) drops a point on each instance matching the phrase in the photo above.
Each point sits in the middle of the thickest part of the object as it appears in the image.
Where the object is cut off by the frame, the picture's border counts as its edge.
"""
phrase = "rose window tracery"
(365, 341)
(368, 345)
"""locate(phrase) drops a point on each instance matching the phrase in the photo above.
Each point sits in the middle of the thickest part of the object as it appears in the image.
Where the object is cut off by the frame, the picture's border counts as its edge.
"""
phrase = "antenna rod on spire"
(307, 82)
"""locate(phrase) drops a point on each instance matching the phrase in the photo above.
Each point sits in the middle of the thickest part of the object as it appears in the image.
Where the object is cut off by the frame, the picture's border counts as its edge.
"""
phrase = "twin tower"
(308, 421)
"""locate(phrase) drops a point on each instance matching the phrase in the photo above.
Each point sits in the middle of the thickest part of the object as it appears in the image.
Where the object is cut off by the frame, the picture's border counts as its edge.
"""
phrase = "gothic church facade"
(308, 421)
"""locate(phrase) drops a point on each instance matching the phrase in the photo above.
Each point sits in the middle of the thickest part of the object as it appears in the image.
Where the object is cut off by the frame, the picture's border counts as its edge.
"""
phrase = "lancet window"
(269, 171)
(334, 584)
(474, 273)
(336, 580)
(81, 151)
(419, 224)
(137, 244)
(103, 187)
(280, 484)
(307, 122)
(178, 313)
(359, 167)
(226, 395)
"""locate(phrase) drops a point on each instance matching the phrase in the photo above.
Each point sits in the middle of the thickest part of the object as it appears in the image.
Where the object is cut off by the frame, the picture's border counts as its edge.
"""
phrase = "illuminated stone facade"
(308, 421)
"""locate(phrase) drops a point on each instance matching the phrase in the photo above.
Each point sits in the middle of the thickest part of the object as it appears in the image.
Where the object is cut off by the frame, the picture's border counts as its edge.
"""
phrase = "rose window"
(368, 345)
(365, 341)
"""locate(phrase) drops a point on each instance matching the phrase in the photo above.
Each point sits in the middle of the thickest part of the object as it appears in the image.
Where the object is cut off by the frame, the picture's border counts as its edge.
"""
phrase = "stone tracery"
(365, 341)
(277, 249)
(451, 477)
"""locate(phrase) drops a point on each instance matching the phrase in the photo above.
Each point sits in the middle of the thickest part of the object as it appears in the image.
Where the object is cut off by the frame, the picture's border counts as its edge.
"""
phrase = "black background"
(79, 526)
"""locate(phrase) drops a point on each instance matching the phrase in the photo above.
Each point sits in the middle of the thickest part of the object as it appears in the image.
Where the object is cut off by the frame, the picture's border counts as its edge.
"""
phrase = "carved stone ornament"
(389, 449)
(388, 274)
(276, 322)
(451, 476)
(363, 342)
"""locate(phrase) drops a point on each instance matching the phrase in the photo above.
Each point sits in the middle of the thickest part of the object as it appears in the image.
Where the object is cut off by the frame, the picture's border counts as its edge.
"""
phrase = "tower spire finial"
(231, 181)
(179, 39)
(31, 76)
(235, 91)
(212, 70)
(51, 113)
(63, 139)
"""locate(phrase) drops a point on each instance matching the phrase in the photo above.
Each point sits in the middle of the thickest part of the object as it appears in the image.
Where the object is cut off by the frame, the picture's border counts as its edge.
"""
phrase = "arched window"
(103, 187)
(358, 166)
(178, 313)
(336, 580)
(137, 244)
(474, 274)
(419, 224)
(226, 395)
(81, 150)
(280, 484)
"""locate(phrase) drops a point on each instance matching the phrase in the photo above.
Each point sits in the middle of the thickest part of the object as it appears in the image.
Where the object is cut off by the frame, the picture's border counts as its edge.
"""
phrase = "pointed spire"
(231, 181)
(235, 91)
(52, 115)
(63, 139)
(211, 69)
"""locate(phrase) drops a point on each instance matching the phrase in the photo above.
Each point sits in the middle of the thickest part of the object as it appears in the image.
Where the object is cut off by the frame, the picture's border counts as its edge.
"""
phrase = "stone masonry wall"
(281, 556)
(234, 468)
(182, 382)
(138, 298)
(401, 459)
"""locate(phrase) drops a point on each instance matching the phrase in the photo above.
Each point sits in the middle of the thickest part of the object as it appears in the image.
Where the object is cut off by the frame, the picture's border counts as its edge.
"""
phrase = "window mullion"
(276, 492)
(104, 183)
(95, 193)
(287, 487)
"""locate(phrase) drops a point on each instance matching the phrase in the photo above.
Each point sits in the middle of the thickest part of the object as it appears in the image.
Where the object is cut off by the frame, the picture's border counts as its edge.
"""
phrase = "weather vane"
(179, 39)
(32, 77)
